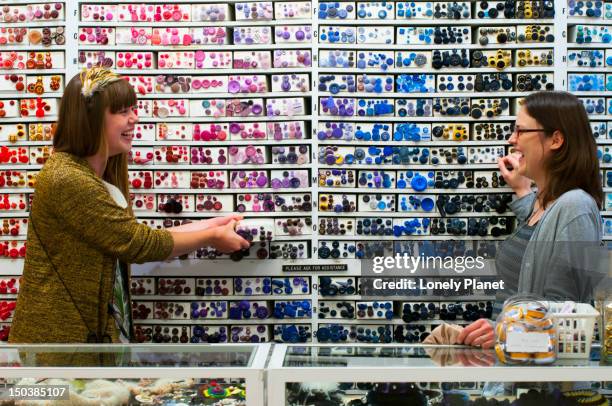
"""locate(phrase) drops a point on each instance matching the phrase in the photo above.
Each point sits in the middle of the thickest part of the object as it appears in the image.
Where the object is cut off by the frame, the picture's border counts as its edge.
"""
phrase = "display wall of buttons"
(389, 115)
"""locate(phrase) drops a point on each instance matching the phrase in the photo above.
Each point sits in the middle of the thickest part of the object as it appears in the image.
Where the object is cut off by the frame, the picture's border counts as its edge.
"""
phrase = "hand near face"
(509, 168)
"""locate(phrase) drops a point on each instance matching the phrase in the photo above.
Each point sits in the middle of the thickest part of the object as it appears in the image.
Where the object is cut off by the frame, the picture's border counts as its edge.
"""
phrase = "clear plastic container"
(525, 332)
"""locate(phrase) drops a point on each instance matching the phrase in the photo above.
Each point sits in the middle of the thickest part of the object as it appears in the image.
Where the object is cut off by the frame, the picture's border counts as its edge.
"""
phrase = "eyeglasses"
(518, 131)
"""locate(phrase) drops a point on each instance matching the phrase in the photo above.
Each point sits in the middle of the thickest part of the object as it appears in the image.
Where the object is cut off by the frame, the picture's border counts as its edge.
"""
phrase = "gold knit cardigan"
(85, 232)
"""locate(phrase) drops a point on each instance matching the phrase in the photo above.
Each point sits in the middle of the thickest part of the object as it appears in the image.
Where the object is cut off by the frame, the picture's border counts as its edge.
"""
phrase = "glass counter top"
(399, 356)
(128, 356)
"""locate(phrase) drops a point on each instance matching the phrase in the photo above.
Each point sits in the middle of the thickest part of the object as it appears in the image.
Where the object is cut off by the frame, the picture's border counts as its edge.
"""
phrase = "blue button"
(418, 183)
(427, 204)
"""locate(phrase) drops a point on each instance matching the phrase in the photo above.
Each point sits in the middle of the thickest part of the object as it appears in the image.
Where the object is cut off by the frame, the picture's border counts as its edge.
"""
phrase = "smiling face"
(119, 130)
(533, 148)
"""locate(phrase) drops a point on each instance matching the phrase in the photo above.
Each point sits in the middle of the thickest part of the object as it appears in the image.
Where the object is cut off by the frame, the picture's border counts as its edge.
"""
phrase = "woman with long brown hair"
(547, 255)
(82, 233)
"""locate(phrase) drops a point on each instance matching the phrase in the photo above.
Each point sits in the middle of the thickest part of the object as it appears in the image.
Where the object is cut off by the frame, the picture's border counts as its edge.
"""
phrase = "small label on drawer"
(315, 268)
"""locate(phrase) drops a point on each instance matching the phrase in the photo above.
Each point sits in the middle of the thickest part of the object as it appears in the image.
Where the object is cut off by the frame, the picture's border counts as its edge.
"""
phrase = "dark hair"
(574, 164)
(80, 125)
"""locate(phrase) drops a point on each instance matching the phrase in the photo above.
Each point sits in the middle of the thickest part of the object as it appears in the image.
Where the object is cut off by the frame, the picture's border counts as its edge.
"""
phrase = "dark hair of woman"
(574, 164)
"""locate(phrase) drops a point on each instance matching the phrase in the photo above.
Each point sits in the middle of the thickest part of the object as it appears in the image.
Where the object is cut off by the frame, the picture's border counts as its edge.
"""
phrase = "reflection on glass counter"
(409, 356)
(420, 375)
(126, 356)
(216, 375)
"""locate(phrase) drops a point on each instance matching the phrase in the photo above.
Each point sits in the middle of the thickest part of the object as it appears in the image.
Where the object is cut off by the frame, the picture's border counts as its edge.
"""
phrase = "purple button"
(261, 312)
(233, 86)
(262, 181)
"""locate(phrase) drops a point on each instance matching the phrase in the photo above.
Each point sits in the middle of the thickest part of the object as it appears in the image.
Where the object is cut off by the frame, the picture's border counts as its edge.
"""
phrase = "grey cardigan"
(563, 260)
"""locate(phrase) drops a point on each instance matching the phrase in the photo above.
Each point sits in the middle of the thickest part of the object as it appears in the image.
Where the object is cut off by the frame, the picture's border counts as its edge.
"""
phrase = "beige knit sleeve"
(82, 202)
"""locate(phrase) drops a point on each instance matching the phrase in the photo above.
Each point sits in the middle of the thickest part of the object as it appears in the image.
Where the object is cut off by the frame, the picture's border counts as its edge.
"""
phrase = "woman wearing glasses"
(555, 149)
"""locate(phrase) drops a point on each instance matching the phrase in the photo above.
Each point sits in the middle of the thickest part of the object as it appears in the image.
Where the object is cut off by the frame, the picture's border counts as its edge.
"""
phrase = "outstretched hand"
(226, 239)
(221, 221)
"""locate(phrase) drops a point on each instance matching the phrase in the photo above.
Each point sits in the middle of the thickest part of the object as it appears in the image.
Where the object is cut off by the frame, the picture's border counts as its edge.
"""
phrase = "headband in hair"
(96, 79)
